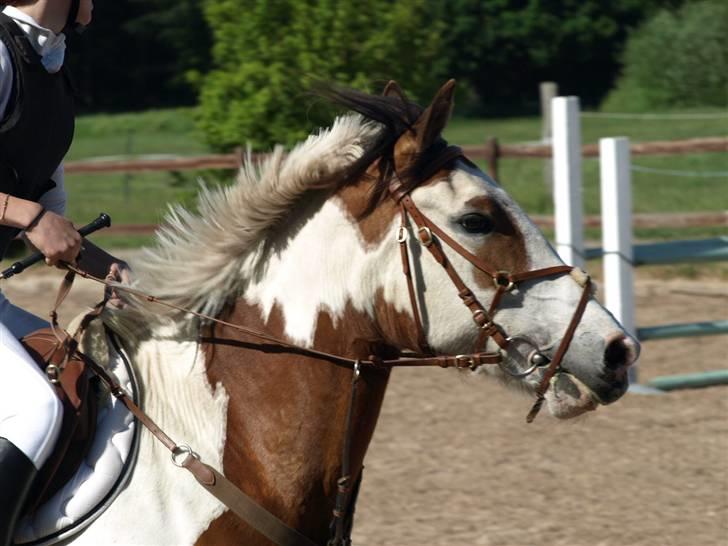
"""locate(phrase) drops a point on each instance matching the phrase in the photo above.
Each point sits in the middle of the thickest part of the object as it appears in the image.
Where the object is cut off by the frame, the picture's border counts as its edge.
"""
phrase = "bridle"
(432, 237)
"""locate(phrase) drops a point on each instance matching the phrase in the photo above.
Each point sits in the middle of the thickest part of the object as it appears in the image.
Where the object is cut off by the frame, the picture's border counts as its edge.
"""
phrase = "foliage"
(267, 54)
(140, 54)
(179, 29)
(156, 53)
(678, 58)
(504, 48)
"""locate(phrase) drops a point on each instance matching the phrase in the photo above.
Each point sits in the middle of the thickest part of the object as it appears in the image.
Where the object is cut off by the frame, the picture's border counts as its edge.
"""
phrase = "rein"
(471, 361)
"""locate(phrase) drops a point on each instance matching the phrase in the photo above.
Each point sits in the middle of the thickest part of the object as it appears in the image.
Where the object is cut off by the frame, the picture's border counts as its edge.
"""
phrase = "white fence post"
(567, 180)
(547, 92)
(616, 195)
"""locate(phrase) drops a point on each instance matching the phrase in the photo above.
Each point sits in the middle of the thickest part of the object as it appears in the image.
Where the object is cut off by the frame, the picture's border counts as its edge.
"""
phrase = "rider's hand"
(56, 238)
(118, 272)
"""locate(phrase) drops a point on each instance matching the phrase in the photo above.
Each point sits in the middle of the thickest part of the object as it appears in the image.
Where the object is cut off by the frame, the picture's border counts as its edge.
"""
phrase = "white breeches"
(30, 412)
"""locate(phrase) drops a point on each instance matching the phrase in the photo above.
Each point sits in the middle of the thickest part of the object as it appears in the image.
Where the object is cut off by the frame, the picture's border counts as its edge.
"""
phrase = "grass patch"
(154, 132)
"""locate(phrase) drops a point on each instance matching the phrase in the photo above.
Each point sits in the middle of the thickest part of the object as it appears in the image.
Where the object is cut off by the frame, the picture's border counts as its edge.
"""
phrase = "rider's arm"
(52, 234)
(55, 198)
(44, 226)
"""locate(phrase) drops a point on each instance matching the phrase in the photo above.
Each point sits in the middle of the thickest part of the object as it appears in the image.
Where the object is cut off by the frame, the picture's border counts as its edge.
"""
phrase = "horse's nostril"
(621, 351)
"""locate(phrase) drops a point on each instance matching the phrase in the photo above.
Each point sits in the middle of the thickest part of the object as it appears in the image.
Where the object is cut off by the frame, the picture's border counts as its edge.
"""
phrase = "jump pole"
(568, 216)
(618, 258)
(690, 381)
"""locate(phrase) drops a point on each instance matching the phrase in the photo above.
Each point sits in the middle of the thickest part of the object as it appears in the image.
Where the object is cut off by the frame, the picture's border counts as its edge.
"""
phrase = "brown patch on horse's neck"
(373, 227)
(286, 417)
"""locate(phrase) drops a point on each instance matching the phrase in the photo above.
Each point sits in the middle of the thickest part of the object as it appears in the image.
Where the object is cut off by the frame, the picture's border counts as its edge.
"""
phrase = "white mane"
(198, 258)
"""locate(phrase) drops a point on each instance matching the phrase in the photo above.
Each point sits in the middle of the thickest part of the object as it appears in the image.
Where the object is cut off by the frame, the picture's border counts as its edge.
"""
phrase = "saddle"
(98, 443)
(77, 390)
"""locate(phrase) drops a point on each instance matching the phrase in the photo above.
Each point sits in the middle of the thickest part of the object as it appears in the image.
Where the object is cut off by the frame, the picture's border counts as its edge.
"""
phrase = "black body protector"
(38, 125)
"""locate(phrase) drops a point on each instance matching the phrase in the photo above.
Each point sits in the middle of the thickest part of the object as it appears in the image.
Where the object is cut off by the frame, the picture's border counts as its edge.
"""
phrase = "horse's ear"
(428, 127)
(392, 89)
(432, 122)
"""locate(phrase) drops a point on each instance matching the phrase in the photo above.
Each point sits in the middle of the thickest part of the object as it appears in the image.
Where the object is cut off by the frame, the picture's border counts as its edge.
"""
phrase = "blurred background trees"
(677, 58)
(267, 54)
(249, 63)
(140, 54)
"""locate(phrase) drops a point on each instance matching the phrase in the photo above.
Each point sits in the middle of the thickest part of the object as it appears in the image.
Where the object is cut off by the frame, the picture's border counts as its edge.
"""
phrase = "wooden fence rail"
(492, 151)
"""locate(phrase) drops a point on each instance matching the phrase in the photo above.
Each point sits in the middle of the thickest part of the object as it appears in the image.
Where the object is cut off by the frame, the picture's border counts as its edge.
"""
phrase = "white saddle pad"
(103, 473)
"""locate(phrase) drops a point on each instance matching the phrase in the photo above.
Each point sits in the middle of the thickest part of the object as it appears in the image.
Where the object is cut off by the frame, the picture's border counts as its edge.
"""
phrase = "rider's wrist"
(34, 221)
(16, 212)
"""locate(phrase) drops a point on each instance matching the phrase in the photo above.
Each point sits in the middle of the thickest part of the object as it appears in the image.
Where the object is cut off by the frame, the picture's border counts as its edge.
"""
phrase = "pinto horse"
(309, 247)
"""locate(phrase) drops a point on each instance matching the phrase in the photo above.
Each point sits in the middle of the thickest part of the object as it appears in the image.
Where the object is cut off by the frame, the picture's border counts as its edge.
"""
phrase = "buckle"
(465, 361)
(427, 241)
(54, 373)
(402, 234)
(482, 319)
(179, 451)
(502, 279)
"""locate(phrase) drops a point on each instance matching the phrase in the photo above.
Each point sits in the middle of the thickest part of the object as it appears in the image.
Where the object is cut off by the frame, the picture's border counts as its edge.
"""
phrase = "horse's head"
(467, 244)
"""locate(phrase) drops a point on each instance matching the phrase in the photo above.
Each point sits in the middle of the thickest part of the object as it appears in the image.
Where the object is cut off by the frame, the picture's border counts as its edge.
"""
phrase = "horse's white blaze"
(163, 504)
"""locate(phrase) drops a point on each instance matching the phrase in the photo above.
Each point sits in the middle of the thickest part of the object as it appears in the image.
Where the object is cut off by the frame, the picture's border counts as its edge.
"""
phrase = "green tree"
(267, 53)
(504, 48)
(678, 58)
(140, 54)
(178, 30)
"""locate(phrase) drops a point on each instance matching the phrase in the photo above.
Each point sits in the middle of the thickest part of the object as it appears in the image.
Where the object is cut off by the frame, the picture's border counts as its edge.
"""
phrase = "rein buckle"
(402, 234)
(465, 361)
(428, 239)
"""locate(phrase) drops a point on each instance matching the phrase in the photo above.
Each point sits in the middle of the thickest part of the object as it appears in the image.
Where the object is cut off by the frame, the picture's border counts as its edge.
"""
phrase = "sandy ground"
(454, 463)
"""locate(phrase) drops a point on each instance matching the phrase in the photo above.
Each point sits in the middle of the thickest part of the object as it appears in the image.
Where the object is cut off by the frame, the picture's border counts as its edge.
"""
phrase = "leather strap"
(560, 352)
(407, 270)
(246, 508)
(425, 232)
(344, 484)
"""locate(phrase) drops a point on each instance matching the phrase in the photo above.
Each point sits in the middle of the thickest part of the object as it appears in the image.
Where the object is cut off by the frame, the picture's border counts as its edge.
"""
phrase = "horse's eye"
(476, 223)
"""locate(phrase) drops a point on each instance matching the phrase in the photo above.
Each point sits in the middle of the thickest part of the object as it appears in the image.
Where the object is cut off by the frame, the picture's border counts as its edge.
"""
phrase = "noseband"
(431, 237)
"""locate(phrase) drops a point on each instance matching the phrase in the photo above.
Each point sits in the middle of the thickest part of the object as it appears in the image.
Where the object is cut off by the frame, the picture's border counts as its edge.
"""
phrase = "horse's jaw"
(568, 397)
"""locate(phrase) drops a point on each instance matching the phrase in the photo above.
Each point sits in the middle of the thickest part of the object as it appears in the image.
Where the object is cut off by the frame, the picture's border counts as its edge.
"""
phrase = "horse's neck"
(286, 417)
